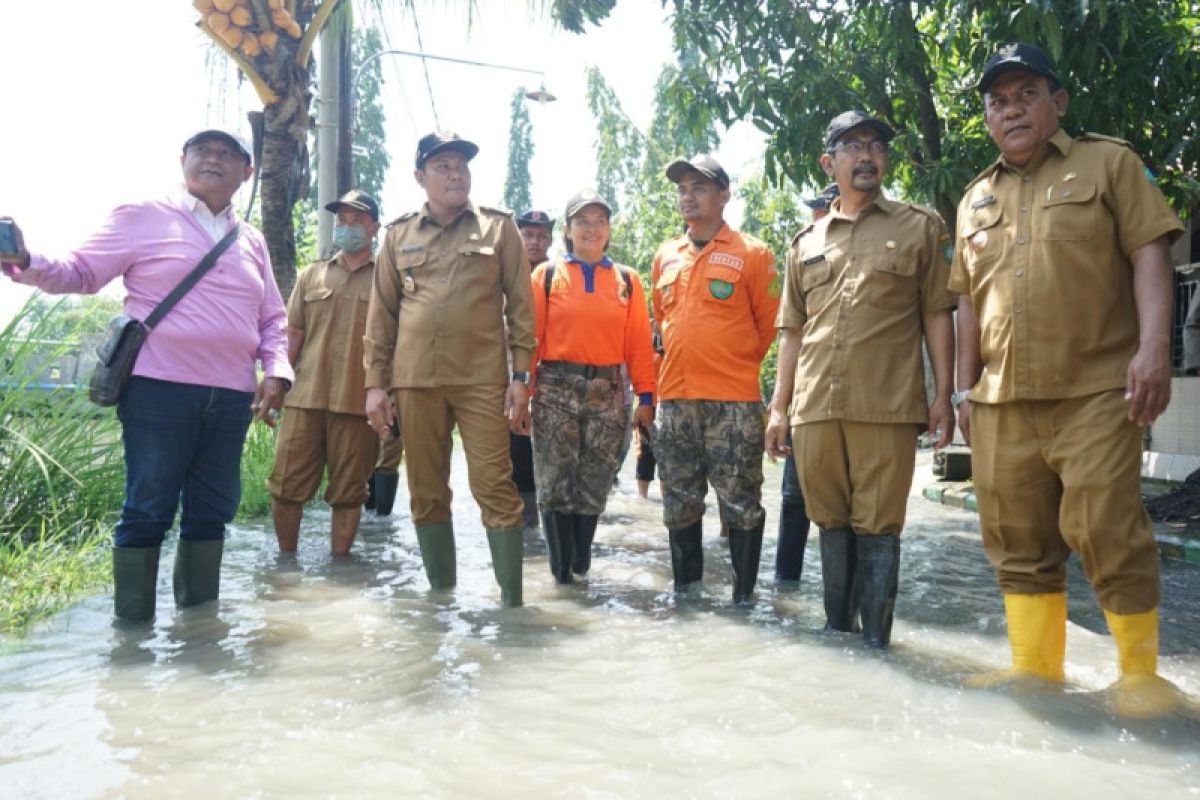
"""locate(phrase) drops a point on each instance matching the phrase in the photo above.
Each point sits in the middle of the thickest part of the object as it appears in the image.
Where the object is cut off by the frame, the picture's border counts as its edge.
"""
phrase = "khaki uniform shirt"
(857, 289)
(441, 300)
(1044, 254)
(329, 303)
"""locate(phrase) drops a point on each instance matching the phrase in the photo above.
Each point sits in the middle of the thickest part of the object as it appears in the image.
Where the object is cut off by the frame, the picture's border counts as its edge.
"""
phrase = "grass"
(37, 578)
(258, 456)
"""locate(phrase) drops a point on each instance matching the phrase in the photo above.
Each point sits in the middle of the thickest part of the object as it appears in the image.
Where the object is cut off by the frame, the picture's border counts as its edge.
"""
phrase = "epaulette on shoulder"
(402, 218)
(987, 173)
(1100, 137)
(926, 210)
(496, 210)
(803, 231)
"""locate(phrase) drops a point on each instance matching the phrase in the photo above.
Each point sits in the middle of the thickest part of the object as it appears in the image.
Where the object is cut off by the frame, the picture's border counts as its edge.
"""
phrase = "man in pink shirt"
(185, 412)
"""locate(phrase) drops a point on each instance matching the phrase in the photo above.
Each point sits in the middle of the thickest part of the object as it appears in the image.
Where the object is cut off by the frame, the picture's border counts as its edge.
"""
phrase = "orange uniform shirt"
(607, 326)
(716, 310)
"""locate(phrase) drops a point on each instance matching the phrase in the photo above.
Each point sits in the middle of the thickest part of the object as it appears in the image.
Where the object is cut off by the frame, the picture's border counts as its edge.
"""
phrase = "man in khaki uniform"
(324, 424)
(449, 277)
(1061, 256)
(862, 284)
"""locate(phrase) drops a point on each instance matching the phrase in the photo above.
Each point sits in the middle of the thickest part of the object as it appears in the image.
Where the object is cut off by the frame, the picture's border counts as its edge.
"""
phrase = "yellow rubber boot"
(1140, 691)
(1037, 635)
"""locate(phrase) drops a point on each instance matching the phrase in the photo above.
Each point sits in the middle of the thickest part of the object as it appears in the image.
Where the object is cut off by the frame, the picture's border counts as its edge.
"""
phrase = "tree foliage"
(520, 153)
(788, 66)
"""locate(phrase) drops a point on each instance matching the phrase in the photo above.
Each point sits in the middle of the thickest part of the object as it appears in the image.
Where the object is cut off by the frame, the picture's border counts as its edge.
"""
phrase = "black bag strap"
(192, 278)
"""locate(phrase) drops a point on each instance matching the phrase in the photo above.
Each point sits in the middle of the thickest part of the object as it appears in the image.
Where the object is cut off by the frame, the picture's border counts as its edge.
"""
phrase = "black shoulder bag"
(119, 351)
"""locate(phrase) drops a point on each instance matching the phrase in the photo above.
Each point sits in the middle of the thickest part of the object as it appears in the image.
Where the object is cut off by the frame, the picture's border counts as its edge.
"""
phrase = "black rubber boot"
(437, 554)
(197, 577)
(745, 547)
(687, 555)
(793, 538)
(585, 533)
(838, 571)
(878, 577)
(529, 509)
(385, 484)
(507, 546)
(559, 529)
(369, 503)
(135, 583)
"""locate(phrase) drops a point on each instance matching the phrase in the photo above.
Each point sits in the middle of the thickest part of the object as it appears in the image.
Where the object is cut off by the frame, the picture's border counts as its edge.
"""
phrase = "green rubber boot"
(437, 552)
(135, 581)
(507, 557)
(197, 577)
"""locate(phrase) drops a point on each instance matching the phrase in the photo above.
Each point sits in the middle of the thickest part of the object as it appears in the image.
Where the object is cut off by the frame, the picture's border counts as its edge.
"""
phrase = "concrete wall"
(1174, 448)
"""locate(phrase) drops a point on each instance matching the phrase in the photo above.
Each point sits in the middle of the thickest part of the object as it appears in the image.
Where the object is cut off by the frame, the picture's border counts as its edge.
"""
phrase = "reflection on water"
(347, 678)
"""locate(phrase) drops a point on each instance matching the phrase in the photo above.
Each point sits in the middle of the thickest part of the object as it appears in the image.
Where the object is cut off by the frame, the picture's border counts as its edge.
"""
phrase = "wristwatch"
(958, 397)
(523, 377)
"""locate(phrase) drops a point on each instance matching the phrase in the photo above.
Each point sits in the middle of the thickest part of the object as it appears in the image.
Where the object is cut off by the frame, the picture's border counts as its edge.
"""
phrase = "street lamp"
(327, 167)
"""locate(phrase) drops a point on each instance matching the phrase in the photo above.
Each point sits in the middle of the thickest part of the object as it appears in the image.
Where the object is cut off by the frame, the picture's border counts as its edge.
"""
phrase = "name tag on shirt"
(808, 262)
(726, 260)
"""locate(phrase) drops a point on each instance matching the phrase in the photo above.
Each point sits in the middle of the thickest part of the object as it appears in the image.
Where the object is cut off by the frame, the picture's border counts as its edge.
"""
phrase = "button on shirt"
(858, 288)
(1044, 253)
(716, 310)
(441, 298)
(330, 305)
(233, 318)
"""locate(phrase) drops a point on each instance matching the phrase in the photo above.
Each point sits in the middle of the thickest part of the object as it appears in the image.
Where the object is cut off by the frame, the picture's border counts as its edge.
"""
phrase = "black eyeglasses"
(853, 147)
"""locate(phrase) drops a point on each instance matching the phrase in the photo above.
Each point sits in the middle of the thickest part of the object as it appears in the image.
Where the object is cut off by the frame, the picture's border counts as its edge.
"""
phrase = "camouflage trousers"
(578, 427)
(698, 442)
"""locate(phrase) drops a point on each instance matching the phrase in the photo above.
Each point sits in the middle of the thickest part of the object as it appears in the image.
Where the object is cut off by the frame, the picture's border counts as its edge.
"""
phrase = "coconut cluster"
(251, 26)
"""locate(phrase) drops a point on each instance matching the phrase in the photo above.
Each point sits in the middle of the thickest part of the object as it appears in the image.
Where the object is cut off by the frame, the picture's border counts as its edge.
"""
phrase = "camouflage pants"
(698, 442)
(578, 426)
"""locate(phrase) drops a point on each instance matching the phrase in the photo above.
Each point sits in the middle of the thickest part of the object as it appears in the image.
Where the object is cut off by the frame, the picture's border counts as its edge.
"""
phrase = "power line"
(425, 66)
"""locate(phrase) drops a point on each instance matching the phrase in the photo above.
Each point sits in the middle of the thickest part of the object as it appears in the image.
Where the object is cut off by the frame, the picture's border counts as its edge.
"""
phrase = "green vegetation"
(258, 456)
(62, 465)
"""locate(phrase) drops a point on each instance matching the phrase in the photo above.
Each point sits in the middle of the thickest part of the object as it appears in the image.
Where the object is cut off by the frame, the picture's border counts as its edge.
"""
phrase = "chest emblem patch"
(722, 290)
(979, 240)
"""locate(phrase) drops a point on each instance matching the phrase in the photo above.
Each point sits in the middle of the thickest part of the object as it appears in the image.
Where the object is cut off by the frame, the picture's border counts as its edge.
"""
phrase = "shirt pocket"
(413, 270)
(721, 284)
(668, 288)
(480, 258)
(318, 295)
(1069, 212)
(890, 280)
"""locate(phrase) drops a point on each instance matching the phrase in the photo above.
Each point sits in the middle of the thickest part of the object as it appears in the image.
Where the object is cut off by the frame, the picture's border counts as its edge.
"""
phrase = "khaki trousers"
(311, 439)
(428, 415)
(856, 475)
(1052, 476)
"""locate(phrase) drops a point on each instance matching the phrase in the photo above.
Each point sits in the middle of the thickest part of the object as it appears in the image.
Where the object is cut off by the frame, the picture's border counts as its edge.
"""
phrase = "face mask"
(350, 238)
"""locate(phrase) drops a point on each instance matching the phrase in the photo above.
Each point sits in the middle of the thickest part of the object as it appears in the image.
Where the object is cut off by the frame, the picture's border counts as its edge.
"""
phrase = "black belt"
(589, 371)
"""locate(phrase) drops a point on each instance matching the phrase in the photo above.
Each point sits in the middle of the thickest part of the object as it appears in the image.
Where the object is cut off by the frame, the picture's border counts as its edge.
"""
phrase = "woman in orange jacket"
(591, 318)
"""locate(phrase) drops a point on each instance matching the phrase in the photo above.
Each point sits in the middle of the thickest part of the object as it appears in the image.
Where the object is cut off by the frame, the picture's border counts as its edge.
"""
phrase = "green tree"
(520, 153)
(370, 153)
(789, 66)
(67, 318)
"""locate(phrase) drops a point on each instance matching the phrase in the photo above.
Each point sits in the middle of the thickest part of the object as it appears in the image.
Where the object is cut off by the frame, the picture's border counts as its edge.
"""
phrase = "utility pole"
(334, 63)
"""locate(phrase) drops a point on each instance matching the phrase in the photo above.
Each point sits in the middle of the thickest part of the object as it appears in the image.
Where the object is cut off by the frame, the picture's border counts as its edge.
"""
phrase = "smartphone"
(394, 426)
(8, 237)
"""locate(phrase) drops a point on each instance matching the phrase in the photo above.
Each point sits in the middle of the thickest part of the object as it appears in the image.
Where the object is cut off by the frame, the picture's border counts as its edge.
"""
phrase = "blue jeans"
(181, 440)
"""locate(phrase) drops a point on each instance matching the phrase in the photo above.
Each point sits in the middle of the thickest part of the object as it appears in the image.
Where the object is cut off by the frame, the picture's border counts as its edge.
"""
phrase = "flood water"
(347, 678)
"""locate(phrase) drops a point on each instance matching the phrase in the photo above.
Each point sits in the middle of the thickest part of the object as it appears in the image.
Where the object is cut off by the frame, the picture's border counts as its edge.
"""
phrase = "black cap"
(824, 200)
(232, 139)
(848, 120)
(1018, 55)
(587, 197)
(705, 165)
(439, 141)
(534, 218)
(356, 199)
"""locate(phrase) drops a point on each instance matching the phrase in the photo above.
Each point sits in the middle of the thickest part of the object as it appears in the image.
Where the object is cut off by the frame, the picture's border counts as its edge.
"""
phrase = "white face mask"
(350, 238)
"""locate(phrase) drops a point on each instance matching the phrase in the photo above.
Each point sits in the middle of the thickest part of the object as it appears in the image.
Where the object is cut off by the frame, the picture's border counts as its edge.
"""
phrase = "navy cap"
(587, 197)
(848, 120)
(534, 218)
(705, 165)
(355, 199)
(1018, 55)
(824, 200)
(228, 137)
(440, 141)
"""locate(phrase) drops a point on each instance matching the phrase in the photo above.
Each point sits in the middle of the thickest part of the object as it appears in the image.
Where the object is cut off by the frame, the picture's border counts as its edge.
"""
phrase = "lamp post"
(326, 177)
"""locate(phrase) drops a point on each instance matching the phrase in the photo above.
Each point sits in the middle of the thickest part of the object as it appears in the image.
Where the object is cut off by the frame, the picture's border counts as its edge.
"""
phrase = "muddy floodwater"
(346, 678)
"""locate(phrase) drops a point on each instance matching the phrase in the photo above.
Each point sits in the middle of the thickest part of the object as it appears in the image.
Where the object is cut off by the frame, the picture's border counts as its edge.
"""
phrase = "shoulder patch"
(496, 210)
(1099, 137)
(401, 218)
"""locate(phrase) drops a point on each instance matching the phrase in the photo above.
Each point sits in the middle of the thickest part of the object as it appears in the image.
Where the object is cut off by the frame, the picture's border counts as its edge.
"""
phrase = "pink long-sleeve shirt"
(213, 336)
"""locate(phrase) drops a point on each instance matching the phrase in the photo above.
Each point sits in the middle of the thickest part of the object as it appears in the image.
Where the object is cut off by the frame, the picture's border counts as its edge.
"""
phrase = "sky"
(99, 118)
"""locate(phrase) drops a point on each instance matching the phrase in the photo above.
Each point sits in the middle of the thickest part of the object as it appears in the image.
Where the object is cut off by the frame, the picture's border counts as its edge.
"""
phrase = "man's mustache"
(866, 169)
